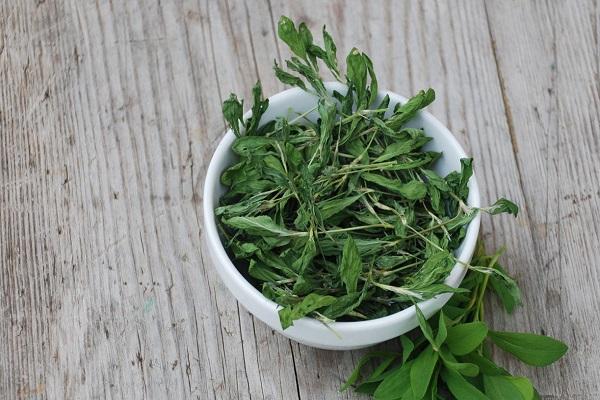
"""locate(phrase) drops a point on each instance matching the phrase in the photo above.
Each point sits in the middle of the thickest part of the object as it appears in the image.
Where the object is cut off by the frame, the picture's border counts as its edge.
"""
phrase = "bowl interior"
(295, 101)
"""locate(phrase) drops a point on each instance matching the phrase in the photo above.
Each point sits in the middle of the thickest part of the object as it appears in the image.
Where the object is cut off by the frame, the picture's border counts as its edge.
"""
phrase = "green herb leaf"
(259, 107)
(466, 171)
(506, 289)
(373, 88)
(350, 265)
(305, 35)
(331, 53)
(463, 368)
(435, 180)
(287, 78)
(310, 303)
(395, 384)
(357, 75)
(503, 206)
(243, 250)
(486, 366)
(425, 328)
(309, 74)
(413, 190)
(408, 110)
(344, 305)
(407, 347)
(249, 145)
(460, 387)
(288, 33)
(442, 332)
(309, 252)
(532, 349)
(262, 272)
(261, 225)
(422, 370)
(434, 269)
(464, 338)
(508, 387)
(461, 220)
(233, 109)
(364, 360)
(331, 207)
(396, 149)
(327, 111)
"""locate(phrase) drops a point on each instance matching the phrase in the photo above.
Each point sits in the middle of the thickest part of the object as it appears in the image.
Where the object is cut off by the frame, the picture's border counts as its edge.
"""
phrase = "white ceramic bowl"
(338, 335)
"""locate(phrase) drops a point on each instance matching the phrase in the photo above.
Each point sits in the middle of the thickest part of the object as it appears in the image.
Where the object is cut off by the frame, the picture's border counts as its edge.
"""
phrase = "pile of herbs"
(450, 356)
(342, 218)
(345, 218)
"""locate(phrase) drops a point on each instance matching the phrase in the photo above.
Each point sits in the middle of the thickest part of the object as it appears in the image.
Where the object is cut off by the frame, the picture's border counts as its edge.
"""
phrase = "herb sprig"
(450, 358)
(342, 218)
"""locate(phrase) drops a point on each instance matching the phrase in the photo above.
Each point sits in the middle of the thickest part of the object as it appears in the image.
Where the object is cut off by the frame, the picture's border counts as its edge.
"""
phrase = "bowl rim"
(429, 307)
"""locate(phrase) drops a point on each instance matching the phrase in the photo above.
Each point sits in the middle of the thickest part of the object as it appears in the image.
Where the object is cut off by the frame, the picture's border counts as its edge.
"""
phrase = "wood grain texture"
(110, 111)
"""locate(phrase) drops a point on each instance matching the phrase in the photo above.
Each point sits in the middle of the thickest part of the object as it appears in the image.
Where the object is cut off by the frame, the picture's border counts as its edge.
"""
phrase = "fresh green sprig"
(451, 358)
(342, 218)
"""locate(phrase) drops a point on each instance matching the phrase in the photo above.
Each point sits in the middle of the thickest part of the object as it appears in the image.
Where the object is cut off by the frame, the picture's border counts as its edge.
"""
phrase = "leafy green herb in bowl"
(342, 218)
(345, 218)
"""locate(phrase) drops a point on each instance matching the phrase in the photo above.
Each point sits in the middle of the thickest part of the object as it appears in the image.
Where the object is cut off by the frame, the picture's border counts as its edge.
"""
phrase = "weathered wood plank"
(246, 49)
(109, 112)
(548, 67)
(127, 311)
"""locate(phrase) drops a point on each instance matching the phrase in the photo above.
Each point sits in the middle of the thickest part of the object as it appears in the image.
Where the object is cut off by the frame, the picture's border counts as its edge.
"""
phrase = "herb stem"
(356, 228)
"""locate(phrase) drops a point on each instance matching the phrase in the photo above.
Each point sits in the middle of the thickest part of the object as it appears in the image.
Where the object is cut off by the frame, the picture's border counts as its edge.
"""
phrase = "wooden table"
(110, 111)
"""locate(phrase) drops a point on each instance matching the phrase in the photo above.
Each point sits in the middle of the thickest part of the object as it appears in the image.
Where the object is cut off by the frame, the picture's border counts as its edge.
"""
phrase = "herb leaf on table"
(452, 360)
